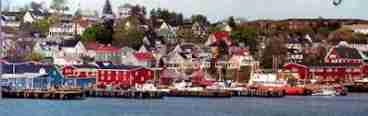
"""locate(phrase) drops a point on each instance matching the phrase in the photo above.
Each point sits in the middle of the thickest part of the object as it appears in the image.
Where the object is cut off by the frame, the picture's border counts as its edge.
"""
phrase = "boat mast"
(1, 26)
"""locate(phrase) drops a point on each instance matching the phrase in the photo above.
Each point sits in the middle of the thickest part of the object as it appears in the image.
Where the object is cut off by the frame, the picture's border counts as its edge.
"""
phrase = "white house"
(127, 56)
(11, 19)
(73, 48)
(28, 18)
(46, 48)
(68, 27)
(167, 32)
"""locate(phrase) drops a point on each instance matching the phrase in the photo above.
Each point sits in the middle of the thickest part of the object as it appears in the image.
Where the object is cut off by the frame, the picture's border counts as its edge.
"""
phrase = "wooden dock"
(54, 95)
(128, 94)
(205, 93)
(258, 93)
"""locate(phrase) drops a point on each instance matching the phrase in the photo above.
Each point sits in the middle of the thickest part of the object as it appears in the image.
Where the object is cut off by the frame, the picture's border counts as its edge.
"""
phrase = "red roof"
(222, 35)
(92, 45)
(101, 47)
(107, 49)
(143, 56)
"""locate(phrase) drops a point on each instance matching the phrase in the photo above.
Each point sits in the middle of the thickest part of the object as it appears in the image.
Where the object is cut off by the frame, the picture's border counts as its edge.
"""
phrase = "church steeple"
(107, 10)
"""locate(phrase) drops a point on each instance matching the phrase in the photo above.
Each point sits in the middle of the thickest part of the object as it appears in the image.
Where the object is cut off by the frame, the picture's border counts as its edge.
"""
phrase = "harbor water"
(352, 105)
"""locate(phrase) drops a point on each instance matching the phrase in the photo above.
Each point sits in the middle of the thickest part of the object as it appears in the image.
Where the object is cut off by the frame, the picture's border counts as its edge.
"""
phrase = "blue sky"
(248, 9)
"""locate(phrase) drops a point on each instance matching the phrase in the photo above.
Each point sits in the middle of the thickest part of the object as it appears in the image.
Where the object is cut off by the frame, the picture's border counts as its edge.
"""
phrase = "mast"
(1, 26)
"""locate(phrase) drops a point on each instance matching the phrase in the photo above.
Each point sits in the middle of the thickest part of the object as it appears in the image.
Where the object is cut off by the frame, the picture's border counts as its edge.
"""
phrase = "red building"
(122, 75)
(342, 63)
(328, 72)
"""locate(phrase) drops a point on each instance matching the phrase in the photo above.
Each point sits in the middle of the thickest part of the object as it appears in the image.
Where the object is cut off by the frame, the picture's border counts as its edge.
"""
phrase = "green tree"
(247, 36)
(42, 26)
(59, 5)
(90, 34)
(201, 19)
(172, 18)
(274, 47)
(231, 22)
(34, 56)
(128, 36)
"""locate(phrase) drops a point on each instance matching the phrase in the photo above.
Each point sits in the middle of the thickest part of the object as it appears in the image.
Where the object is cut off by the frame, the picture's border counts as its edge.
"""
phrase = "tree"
(342, 34)
(34, 56)
(247, 36)
(201, 19)
(231, 22)
(90, 34)
(59, 5)
(36, 6)
(128, 36)
(42, 26)
(104, 35)
(275, 47)
(171, 18)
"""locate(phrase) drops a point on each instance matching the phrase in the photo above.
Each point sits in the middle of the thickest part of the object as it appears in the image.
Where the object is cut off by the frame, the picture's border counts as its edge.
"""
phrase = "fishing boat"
(325, 92)
(330, 91)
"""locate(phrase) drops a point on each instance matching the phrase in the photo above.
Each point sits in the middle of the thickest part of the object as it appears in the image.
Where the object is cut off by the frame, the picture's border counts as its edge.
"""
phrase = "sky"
(217, 10)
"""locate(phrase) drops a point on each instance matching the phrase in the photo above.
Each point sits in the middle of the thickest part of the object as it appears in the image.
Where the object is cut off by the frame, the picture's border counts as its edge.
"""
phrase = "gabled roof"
(216, 37)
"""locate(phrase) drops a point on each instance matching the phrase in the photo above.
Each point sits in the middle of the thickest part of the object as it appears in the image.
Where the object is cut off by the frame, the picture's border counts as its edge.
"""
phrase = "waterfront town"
(135, 53)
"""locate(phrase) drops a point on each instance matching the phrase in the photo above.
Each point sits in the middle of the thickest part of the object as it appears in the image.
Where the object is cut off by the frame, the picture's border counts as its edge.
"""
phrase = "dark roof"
(39, 13)
(109, 65)
(18, 16)
(69, 43)
(300, 40)
(347, 52)
(86, 66)
(20, 68)
(333, 65)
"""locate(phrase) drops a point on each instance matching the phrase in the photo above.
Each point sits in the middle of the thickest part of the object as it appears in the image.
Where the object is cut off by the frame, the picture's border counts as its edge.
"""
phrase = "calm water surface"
(353, 105)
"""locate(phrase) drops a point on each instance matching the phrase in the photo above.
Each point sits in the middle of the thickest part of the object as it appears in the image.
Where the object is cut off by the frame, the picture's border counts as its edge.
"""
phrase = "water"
(354, 105)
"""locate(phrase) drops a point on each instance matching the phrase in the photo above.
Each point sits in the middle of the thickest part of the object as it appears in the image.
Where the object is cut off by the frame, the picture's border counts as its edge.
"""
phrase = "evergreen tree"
(231, 22)
(105, 35)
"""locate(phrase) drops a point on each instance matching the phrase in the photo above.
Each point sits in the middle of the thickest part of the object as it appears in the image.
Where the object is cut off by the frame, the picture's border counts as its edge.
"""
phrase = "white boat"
(326, 92)
(147, 86)
(217, 86)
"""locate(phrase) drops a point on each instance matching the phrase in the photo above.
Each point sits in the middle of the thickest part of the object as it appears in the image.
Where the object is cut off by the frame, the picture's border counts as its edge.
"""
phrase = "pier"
(258, 93)
(128, 94)
(53, 95)
(205, 93)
